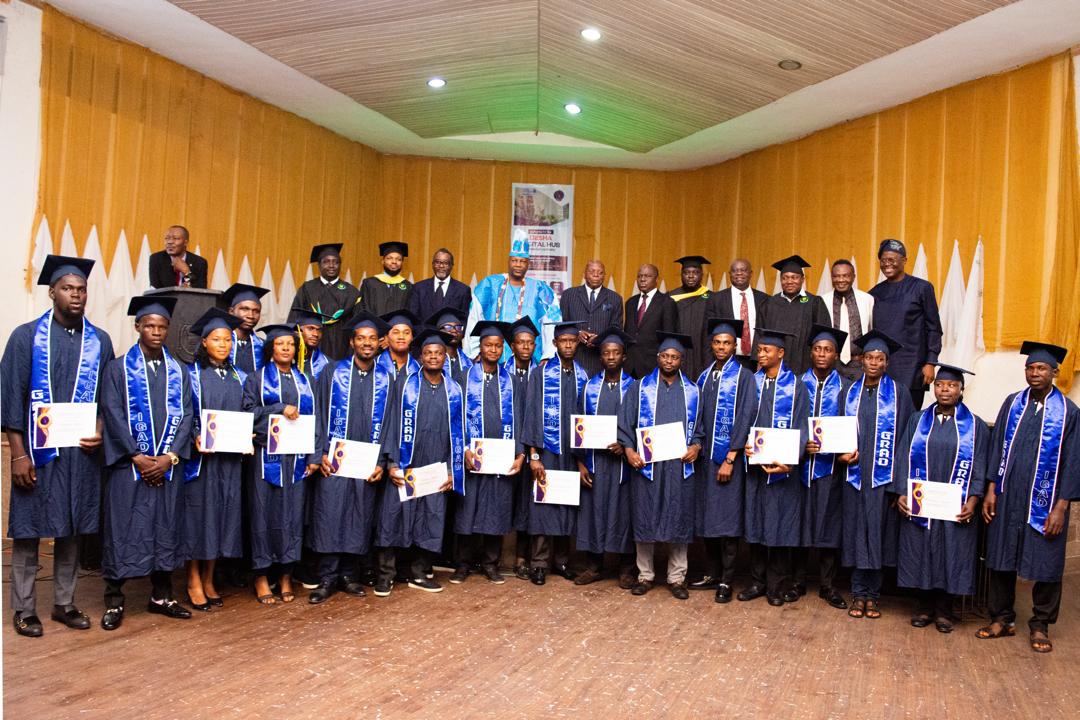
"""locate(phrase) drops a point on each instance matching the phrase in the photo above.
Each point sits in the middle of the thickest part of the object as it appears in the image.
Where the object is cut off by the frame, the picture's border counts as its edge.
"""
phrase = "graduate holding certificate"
(520, 365)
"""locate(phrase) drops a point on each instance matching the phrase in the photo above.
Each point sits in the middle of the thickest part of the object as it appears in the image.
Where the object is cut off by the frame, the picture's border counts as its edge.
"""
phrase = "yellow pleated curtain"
(136, 142)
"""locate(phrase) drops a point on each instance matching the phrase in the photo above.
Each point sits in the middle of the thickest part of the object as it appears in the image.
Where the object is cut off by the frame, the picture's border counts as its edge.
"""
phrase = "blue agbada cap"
(143, 305)
(724, 326)
(824, 332)
(519, 244)
(951, 372)
(613, 336)
(491, 328)
(877, 341)
(1052, 355)
(891, 245)
(776, 338)
(214, 319)
(242, 292)
(57, 266)
(523, 324)
(673, 341)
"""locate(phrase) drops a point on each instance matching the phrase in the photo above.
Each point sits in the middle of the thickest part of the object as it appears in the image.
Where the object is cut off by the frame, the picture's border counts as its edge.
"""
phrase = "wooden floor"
(518, 651)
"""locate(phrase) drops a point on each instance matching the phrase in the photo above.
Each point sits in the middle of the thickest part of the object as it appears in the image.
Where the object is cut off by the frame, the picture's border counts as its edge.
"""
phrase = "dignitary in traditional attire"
(744, 303)
(486, 511)
(603, 521)
(523, 336)
(852, 311)
(882, 407)
(213, 491)
(440, 291)
(146, 406)
(647, 313)
(400, 327)
(352, 400)
(425, 426)
(310, 358)
(275, 482)
(945, 443)
(389, 290)
(245, 303)
(794, 311)
(55, 492)
(330, 296)
(1035, 451)
(773, 503)
(692, 299)
(452, 322)
(728, 399)
(905, 308)
(553, 396)
(599, 307)
(662, 493)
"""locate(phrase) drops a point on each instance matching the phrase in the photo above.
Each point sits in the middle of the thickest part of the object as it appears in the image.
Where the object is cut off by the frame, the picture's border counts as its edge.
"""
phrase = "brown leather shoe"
(587, 577)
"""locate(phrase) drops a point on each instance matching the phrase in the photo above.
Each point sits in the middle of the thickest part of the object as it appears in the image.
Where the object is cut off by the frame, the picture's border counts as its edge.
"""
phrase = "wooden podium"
(191, 303)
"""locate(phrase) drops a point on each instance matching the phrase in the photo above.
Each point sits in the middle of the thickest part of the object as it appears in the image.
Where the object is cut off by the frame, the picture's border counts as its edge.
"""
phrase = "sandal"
(1040, 644)
(872, 611)
(988, 633)
(267, 599)
(943, 625)
(287, 596)
(858, 608)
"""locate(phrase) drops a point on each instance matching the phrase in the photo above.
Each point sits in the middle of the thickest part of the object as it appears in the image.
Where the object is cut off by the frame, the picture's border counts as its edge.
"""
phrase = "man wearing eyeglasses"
(441, 291)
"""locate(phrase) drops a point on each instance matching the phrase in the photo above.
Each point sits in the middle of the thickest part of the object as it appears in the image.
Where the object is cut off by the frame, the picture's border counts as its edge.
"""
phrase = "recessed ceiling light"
(789, 64)
(591, 34)
(572, 108)
(436, 82)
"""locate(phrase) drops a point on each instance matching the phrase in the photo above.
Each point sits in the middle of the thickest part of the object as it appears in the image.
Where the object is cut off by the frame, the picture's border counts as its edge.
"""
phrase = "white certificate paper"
(934, 500)
(492, 456)
(839, 435)
(662, 442)
(226, 431)
(353, 459)
(593, 432)
(560, 487)
(773, 446)
(291, 437)
(60, 425)
(423, 481)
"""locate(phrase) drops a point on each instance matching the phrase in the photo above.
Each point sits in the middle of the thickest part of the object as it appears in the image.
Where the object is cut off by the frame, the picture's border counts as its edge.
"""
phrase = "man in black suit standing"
(648, 312)
(441, 291)
(741, 302)
(599, 307)
(175, 266)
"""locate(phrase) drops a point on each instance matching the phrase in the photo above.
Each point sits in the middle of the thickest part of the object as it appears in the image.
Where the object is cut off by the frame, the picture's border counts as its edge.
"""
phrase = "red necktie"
(641, 308)
(744, 315)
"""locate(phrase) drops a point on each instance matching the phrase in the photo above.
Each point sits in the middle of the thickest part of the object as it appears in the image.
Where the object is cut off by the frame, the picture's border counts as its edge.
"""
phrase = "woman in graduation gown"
(275, 483)
(945, 443)
(213, 485)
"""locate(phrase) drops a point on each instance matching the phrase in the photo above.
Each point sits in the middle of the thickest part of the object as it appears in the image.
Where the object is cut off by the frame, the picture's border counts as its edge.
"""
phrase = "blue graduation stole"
(474, 401)
(592, 402)
(884, 431)
(318, 361)
(727, 399)
(193, 467)
(256, 350)
(818, 466)
(139, 405)
(783, 409)
(271, 395)
(410, 397)
(511, 367)
(337, 425)
(412, 366)
(465, 363)
(650, 385)
(1044, 487)
(963, 460)
(85, 390)
(552, 377)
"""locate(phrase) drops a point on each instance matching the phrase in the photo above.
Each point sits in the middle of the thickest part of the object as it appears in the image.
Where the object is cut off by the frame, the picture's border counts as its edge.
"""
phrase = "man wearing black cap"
(523, 335)
(441, 291)
(905, 308)
(175, 266)
(330, 296)
(452, 322)
(400, 326)
(309, 331)
(793, 311)
(389, 290)
(245, 302)
(648, 313)
(1035, 452)
(599, 307)
(692, 299)
(60, 357)
(146, 405)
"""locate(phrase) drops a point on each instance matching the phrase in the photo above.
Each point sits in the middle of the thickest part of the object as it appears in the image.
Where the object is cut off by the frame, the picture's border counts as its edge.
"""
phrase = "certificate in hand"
(838, 435)
(934, 500)
(423, 481)
(560, 487)
(492, 456)
(773, 446)
(226, 431)
(353, 459)
(60, 425)
(291, 437)
(593, 432)
(662, 442)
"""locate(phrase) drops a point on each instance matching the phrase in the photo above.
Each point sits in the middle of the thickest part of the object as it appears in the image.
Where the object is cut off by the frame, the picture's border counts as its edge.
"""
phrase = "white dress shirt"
(736, 309)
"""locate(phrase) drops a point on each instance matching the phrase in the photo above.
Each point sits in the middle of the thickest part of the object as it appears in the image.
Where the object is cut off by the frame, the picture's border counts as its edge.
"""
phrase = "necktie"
(592, 297)
(744, 315)
(641, 308)
(441, 289)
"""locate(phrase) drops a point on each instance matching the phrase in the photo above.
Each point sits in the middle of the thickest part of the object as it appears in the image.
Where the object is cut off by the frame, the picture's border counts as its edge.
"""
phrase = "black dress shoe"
(215, 601)
(708, 582)
(800, 588)
(564, 571)
(28, 625)
(71, 616)
(679, 591)
(790, 596)
(642, 587)
(369, 577)
(775, 600)
(920, 620)
(751, 593)
(351, 586)
(169, 608)
(538, 576)
(321, 593)
(112, 618)
(833, 597)
(723, 593)
(201, 607)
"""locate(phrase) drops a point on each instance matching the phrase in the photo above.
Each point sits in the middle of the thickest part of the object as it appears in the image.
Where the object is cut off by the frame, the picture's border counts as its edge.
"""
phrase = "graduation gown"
(1011, 544)
(337, 299)
(942, 556)
(246, 360)
(693, 312)
(142, 531)
(544, 519)
(796, 318)
(523, 483)
(379, 297)
(212, 501)
(822, 521)
(870, 527)
(720, 506)
(661, 509)
(603, 521)
(66, 499)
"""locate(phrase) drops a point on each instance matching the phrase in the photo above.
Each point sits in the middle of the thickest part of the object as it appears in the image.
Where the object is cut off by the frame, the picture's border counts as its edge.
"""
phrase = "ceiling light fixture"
(789, 64)
(591, 34)
(573, 108)
(435, 83)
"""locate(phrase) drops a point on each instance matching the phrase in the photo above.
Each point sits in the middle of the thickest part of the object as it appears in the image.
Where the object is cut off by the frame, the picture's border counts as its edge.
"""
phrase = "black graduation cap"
(566, 327)
(394, 246)
(272, 332)
(875, 340)
(1052, 355)
(693, 261)
(362, 319)
(400, 317)
(673, 341)
(825, 332)
(793, 264)
(242, 292)
(214, 319)
(447, 316)
(303, 316)
(726, 326)
(142, 305)
(491, 328)
(319, 250)
(431, 336)
(523, 324)
(613, 335)
(951, 372)
(776, 338)
(57, 266)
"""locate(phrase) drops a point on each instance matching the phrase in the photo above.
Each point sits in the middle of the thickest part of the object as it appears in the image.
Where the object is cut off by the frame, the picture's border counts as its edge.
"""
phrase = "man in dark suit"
(741, 302)
(441, 291)
(175, 266)
(599, 307)
(648, 312)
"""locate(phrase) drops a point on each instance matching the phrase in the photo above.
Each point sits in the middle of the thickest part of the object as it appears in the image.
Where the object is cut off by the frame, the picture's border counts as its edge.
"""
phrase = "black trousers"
(332, 566)
(720, 554)
(1045, 601)
(935, 603)
(770, 567)
(828, 560)
(523, 544)
(917, 395)
(546, 546)
(419, 562)
(160, 582)
(484, 549)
